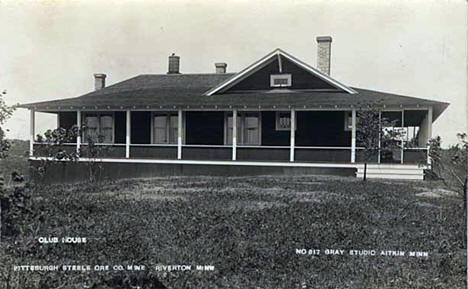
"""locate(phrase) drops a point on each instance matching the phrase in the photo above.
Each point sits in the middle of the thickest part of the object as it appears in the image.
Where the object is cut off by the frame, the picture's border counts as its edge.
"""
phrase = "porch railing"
(244, 153)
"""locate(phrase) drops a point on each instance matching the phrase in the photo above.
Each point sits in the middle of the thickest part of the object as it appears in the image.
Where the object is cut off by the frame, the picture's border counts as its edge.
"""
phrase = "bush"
(449, 165)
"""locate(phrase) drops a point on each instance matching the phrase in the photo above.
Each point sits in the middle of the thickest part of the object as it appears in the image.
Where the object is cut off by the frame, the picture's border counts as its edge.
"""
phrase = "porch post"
(429, 132)
(353, 136)
(293, 132)
(429, 123)
(128, 133)
(380, 128)
(78, 137)
(402, 153)
(179, 134)
(32, 128)
(234, 134)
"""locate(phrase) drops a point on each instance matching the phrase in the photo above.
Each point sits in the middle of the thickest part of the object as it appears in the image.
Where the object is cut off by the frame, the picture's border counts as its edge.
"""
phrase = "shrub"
(53, 149)
(450, 165)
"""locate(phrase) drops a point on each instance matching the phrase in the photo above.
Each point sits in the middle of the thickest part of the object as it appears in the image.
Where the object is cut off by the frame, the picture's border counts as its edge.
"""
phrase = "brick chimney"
(174, 61)
(324, 54)
(221, 67)
(99, 81)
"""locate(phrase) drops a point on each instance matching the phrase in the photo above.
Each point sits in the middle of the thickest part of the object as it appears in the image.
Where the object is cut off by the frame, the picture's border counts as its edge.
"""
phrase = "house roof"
(205, 91)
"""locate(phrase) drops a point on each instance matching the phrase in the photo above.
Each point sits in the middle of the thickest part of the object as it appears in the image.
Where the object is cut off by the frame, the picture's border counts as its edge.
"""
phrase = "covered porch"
(239, 135)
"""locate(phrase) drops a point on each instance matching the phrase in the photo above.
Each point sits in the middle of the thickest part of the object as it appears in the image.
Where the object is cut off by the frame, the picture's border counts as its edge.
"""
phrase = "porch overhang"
(306, 100)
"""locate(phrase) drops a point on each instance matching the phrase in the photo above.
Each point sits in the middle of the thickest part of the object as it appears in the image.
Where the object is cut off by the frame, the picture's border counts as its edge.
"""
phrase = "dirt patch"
(308, 200)
(437, 193)
(309, 183)
(144, 195)
(428, 195)
(427, 205)
(277, 191)
(184, 190)
(253, 205)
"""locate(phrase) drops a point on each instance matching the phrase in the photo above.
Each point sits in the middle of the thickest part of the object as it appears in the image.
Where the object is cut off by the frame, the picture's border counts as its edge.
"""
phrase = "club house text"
(65, 240)
(389, 253)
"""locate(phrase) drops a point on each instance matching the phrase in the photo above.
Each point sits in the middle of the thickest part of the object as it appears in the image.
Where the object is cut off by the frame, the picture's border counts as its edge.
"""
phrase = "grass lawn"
(248, 228)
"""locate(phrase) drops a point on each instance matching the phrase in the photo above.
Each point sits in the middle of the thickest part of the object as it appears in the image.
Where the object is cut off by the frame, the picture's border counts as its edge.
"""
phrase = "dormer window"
(280, 80)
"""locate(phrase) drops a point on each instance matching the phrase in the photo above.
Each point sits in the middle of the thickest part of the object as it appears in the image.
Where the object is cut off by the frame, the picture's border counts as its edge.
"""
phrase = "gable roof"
(249, 70)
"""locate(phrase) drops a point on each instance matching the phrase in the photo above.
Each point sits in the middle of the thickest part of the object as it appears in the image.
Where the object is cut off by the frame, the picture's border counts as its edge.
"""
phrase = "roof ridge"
(181, 74)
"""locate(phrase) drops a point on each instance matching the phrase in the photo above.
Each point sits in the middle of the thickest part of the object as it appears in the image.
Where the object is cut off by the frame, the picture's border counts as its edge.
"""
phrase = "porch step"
(392, 171)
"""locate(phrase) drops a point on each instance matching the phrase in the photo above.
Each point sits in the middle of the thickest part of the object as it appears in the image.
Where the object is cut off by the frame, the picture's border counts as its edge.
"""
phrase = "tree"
(93, 152)
(375, 134)
(5, 113)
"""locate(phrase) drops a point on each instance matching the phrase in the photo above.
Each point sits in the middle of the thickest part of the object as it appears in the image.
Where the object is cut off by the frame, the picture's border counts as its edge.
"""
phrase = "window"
(91, 127)
(283, 120)
(229, 129)
(248, 128)
(251, 129)
(165, 128)
(160, 129)
(348, 121)
(107, 128)
(280, 80)
(173, 128)
(99, 127)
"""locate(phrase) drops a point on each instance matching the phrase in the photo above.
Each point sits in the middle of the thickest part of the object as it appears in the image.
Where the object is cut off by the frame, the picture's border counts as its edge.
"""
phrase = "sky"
(50, 49)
